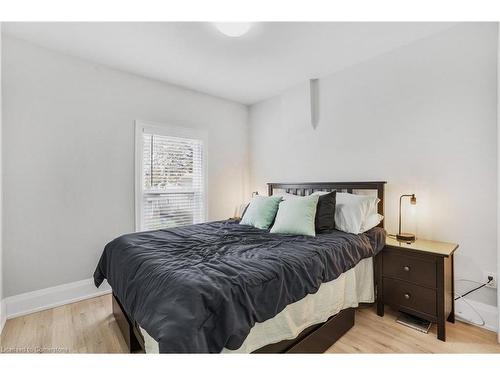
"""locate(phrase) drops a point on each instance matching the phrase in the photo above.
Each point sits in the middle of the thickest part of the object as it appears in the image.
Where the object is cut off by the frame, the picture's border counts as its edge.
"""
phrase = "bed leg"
(128, 330)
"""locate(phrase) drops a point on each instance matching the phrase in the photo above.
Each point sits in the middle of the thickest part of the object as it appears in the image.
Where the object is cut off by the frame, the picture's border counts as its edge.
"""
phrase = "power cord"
(490, 279)
(461, 296)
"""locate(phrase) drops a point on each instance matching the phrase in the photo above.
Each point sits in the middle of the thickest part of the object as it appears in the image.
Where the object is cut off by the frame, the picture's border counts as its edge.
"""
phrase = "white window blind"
(173, 191)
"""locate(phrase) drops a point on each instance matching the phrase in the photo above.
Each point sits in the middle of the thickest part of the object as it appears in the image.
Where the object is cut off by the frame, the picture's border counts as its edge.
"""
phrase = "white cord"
(461, 297)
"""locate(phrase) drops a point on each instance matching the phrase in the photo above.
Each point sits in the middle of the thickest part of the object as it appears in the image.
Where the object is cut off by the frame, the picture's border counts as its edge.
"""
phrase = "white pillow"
(368, 202)
(371, 222)
(285, 196)
(355, 213)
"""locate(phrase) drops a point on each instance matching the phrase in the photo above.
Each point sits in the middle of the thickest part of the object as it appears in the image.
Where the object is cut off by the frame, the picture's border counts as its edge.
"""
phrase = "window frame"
(141, 127)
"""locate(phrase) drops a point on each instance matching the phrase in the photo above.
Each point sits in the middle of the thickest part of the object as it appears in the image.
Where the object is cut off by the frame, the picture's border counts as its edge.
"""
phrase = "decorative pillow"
(245, 207)
(324, 221)
(296, 216)
(325, 213)
(261, 211)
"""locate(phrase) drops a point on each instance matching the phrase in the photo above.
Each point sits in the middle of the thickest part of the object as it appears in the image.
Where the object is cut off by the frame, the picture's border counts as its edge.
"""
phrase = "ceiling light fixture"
(233, 29)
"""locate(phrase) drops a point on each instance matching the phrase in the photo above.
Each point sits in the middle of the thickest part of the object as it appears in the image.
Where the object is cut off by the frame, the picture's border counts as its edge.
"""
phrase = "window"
(171, 177)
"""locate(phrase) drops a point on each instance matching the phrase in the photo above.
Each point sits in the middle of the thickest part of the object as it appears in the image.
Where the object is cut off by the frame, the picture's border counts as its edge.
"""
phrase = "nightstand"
(417, 278)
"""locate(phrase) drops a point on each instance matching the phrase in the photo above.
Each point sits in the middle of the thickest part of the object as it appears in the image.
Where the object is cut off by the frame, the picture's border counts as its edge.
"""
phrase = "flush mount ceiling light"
(233, 29)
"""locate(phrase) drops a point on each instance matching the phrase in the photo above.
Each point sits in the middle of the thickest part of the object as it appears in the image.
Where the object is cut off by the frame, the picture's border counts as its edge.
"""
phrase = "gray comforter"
(200, 288)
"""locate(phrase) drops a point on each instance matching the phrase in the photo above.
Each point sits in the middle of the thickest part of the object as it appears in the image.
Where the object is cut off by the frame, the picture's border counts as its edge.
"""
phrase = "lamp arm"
(400, 200)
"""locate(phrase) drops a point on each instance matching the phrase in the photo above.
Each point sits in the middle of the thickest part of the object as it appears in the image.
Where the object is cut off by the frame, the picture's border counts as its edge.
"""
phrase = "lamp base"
(405, 237)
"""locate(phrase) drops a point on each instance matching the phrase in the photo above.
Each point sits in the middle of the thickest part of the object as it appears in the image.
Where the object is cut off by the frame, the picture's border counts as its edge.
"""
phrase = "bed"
(225, 287)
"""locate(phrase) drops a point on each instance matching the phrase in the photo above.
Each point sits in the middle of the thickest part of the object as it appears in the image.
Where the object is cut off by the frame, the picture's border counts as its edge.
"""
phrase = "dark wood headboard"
(306, 188)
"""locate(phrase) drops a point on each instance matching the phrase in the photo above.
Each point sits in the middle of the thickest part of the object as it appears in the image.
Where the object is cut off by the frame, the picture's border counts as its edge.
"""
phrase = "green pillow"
(296, 216)
(261, 211)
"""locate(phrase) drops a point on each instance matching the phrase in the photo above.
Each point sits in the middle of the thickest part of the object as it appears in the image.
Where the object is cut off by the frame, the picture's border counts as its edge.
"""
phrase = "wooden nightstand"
(417, 278)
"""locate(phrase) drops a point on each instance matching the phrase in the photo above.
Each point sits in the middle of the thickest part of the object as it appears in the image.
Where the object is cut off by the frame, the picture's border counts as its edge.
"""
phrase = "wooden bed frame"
(315, 339)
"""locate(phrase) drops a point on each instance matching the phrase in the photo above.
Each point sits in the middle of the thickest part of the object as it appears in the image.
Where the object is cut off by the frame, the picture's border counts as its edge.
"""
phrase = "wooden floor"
(373, 334)
(89, 327)
(83, 327)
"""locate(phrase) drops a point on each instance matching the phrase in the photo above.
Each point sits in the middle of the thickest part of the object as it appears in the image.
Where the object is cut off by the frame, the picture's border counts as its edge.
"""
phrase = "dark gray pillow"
(325, 213)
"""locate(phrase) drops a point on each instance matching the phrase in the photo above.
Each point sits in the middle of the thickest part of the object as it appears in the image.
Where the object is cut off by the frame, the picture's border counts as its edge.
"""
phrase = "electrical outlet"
(493, 284)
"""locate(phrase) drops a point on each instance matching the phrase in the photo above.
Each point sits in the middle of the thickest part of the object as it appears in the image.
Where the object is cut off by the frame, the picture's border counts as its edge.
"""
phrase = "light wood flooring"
(89, 327)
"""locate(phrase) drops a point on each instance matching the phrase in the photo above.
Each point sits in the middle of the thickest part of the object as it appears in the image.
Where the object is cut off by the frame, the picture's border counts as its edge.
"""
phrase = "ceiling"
(270, 58)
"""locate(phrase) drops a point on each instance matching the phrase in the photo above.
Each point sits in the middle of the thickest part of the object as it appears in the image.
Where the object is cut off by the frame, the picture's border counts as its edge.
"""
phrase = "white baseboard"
(43, 299)
(488, 312)
(3, 315)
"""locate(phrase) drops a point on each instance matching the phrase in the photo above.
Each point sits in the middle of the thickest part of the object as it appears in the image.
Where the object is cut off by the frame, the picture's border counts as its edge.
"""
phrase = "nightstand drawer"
(402, 294)
(421, 271)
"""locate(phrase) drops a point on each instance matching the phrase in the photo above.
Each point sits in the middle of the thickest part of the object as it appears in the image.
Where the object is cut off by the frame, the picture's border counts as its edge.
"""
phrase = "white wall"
(422, 117)
(498, 172)
(2, 304)
(69, 159)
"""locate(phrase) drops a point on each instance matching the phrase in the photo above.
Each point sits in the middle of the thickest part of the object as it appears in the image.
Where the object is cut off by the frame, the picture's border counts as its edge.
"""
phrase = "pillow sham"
(324, 220)
(355, 213)
(325, 212)
(369, 203)
(261, 212)
(296, 216)
(371, 222)
(348, 217)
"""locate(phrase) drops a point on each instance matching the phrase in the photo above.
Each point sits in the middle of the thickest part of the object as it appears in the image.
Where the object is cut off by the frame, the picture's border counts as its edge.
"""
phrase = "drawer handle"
(407, 295)
(406, 268)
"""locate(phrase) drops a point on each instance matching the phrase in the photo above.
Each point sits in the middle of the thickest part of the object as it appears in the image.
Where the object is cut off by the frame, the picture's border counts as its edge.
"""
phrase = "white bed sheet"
(348, 290)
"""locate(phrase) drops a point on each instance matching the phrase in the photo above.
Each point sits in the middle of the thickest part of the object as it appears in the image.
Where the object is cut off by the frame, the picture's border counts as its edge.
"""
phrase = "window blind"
(172, 182)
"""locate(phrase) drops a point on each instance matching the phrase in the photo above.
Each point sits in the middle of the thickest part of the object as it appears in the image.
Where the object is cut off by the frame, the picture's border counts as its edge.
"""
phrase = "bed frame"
(315, 339)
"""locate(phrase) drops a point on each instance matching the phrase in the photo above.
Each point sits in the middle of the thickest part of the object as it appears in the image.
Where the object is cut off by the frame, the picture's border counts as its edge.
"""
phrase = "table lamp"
(406, 237)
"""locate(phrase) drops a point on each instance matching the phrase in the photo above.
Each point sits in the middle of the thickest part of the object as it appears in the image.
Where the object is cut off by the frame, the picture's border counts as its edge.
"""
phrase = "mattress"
(351, 288)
